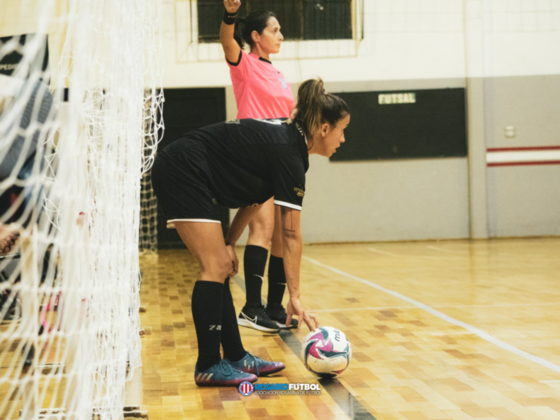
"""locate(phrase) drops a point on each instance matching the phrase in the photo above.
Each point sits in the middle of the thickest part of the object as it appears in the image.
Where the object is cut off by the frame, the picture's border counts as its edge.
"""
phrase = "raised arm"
(292, 244)
(229, 44)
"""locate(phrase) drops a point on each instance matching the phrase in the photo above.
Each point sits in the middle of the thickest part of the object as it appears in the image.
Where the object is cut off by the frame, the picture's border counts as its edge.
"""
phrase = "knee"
(216, 269)
(223, 267)
(220, 268)
(226, 267)
(261, 230)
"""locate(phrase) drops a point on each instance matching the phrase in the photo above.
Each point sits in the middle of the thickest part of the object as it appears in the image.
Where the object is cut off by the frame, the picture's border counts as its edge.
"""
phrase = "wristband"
(229, 18)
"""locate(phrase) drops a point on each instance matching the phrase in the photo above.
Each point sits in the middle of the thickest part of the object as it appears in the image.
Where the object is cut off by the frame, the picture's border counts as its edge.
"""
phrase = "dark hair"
(257, 20)
(315, 107)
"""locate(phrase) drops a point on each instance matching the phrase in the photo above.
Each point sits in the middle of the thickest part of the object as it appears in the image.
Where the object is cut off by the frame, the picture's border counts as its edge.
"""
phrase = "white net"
(148, 217)
(74, 142)
(148, 202)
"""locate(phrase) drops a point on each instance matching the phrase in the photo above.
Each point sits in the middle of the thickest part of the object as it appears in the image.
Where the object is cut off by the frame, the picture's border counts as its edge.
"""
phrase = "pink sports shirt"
(261, 91)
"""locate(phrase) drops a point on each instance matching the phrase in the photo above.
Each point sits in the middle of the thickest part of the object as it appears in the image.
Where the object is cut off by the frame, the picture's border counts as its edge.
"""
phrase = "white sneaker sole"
(249, 324)
(283, 326)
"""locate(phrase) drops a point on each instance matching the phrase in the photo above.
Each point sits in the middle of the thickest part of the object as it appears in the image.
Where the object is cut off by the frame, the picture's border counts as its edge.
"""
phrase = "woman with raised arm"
(242, 164)
(261, 91)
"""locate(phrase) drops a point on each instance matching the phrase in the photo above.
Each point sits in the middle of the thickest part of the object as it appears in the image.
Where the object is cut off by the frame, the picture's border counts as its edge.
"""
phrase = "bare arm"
(276, 248)
(291, 253)
(229, 44)
(291, 248)
(240, 221)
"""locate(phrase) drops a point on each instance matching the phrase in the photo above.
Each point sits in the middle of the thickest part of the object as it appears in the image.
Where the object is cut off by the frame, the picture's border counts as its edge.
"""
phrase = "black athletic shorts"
(181, 181)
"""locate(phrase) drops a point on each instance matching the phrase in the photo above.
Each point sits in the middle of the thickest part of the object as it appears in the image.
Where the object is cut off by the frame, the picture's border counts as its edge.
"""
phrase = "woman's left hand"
(234, 260)
(296, 308)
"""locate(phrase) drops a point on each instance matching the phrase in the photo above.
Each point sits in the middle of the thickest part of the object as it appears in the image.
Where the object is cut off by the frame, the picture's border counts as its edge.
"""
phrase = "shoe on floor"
(257, 318)
(256, 365)
(277, 314)
(222, 374)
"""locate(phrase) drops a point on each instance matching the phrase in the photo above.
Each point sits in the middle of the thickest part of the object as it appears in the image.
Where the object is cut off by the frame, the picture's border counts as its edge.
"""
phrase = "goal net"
(80, 107)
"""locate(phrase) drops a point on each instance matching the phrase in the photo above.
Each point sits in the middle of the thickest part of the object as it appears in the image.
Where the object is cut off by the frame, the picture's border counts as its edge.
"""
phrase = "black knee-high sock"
(231, 339)
(255, 262)
(276, 280)
(207, 316)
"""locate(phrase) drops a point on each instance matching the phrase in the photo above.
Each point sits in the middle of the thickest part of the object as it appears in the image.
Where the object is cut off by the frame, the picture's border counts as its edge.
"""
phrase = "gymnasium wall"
(519, 73)
(505, 52)
(17, 18)
(524, 200)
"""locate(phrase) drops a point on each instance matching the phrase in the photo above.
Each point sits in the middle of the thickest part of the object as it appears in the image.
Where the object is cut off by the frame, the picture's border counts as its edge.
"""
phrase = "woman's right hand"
(234, 260)
(296, 308)
(232, 6)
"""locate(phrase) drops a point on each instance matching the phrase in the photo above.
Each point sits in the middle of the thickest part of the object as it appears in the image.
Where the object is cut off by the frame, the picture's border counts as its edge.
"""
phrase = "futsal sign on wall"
(396, 98)
(415, 124)
(10, 62)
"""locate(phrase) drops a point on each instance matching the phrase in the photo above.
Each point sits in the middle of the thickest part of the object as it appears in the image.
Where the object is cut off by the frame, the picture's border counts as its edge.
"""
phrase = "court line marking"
(505, 305)
(456, 254)
(336, 389)
(548, 382)
(426, 257)
(441, 249)
(383, 252)
(482, 334)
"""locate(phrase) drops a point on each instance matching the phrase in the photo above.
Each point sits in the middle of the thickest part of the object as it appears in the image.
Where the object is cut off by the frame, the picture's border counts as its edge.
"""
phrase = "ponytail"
(257, 20)
(237, 31)
(309, 106)
(315, 107)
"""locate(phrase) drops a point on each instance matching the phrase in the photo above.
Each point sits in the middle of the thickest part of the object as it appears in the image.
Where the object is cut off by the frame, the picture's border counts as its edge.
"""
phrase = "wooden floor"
(439, 330)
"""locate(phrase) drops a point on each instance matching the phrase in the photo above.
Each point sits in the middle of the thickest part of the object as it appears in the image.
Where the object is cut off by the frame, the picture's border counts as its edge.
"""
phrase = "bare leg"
(206, 242)
(256, 252)
(262, 226)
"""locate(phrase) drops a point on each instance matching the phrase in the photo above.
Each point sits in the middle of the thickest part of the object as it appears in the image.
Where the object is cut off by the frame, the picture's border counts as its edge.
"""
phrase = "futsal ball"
(327, 352)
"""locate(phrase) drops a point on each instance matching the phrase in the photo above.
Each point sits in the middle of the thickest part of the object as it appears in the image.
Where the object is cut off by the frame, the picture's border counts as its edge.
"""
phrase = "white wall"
(404, 39)
(396, 46)
(522, 38)
(408, 44)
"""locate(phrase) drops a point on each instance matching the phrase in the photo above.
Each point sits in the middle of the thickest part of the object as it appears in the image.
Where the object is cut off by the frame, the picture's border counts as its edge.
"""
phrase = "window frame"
(189, 49)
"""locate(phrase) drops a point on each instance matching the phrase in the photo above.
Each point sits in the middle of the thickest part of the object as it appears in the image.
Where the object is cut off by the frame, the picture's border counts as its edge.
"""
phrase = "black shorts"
(181, 181)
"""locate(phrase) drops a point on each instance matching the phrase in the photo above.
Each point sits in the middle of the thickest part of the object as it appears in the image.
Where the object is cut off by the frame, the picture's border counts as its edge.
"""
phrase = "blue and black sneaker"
(222, 374)
(256, 365)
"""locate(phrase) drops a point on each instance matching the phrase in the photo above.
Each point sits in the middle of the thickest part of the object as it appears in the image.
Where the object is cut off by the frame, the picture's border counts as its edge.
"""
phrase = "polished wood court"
(439, 330)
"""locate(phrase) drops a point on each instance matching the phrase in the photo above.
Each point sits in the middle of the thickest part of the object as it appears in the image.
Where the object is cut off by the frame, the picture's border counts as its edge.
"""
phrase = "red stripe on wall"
(544, 162)
(521, 149)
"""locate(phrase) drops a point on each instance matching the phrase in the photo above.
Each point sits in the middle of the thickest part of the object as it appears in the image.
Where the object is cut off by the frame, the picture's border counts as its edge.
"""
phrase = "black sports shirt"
(252, 160)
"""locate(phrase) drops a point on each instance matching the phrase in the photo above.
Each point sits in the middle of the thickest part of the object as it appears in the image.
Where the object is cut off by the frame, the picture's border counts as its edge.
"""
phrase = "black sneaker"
(257, 318)
(278, 314)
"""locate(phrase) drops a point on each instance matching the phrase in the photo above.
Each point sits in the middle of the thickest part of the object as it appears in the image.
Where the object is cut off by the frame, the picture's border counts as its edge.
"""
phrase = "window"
(300, 19)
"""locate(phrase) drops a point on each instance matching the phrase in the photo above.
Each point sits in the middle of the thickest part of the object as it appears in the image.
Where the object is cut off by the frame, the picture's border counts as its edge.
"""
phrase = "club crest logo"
(246, 388)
